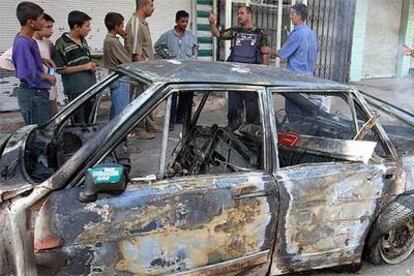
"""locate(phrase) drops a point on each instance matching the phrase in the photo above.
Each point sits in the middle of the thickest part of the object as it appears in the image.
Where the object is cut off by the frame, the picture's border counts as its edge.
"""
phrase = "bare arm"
(408, 51)
(78, 68)
(51, 79)
(137, 58)
(266, 50)
(273, 53)
(213, 25)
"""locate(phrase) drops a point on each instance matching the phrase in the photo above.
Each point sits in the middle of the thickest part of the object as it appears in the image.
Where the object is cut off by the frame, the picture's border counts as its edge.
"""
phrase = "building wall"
(382, 40)
(163, 19)
(381, 29)
(405, 63)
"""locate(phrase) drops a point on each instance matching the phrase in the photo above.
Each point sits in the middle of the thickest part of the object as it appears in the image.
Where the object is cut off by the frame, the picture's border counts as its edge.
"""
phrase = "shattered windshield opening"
(49, 147)
(214, 143)
(321, 127)
(397, 123)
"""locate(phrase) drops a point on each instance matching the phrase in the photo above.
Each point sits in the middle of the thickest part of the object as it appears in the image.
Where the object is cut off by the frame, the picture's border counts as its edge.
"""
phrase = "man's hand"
(212, 18)
(213, 24)
(91, 66)
(408, 51)
(49, 63)
(124, 34)
(50, 78)
(138, 58)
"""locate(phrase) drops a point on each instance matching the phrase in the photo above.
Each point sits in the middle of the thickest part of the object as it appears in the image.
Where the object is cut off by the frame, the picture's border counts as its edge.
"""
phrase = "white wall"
(382, 48)
(162, 19)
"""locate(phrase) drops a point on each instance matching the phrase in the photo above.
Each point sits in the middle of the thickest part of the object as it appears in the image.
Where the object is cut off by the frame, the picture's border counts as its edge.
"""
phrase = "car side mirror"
(105, 178)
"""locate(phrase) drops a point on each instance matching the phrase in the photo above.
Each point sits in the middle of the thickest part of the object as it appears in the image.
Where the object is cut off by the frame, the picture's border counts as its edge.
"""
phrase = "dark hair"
(141, 3)
(180, 14)
(301, 10)
(248, 8)
(48, 18)
(77, 18)
(26, 11)
(113, 19)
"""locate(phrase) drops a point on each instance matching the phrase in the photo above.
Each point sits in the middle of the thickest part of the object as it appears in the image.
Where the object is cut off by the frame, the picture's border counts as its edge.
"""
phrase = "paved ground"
(398, 91)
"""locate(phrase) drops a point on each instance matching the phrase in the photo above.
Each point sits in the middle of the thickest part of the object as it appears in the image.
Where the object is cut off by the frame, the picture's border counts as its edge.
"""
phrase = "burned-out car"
(285, 190)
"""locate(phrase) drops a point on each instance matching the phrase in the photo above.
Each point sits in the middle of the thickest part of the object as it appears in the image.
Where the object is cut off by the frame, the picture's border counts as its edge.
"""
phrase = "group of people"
(36, 60)
(250, 45)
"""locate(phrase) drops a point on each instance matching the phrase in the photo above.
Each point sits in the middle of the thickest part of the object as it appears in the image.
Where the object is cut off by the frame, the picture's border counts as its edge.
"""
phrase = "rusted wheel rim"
(398, 244)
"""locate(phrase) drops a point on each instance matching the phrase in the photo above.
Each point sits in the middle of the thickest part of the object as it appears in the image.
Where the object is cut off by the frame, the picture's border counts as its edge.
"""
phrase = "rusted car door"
(329, 197)
(326, 211)
(219, 223)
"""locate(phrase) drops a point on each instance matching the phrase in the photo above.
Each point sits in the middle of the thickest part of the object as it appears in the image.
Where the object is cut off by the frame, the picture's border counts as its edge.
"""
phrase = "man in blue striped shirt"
(300, 51)
(177, 43)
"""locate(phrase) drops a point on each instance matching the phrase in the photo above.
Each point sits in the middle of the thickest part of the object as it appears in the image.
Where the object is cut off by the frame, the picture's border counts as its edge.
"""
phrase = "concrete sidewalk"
(396, 91)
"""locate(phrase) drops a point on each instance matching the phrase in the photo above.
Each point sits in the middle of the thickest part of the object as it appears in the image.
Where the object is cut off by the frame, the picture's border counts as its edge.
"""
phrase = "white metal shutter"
(382, 39)
(162, 20)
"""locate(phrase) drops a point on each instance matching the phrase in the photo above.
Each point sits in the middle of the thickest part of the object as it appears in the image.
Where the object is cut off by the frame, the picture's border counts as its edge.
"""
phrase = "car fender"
(408, 163)
(402, 208)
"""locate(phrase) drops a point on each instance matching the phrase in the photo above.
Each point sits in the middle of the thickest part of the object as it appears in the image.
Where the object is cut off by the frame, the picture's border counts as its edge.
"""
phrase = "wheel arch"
(398, 210)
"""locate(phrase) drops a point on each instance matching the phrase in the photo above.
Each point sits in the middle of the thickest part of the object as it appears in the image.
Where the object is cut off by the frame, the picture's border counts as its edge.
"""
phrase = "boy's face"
(37, 24)
(149, 8)
(182, 23)
(294, 17)
(47, 31)
(243, 16)
(120, 29)
(83, 30)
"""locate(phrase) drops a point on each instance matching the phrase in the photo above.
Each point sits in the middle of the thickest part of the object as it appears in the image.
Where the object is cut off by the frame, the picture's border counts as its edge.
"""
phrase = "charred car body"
(293, 191)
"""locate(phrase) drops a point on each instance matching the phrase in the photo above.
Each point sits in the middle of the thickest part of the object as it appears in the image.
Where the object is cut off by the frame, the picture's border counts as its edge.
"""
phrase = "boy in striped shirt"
(74, 62)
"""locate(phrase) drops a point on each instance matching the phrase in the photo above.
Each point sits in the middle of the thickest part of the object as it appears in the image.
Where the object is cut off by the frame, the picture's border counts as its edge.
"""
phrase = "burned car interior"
(311, 134)
(207, 147)
(303, 176)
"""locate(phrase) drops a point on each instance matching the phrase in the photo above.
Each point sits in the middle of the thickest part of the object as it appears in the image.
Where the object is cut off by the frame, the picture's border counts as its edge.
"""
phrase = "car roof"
(175, 71)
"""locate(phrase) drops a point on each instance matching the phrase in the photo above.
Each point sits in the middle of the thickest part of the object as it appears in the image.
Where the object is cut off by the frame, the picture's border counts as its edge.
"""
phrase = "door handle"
(248, 190)
(389, 176)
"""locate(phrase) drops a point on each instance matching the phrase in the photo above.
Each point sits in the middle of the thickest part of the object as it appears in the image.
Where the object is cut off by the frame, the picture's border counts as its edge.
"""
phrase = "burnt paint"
(326, 213)
(167, 227)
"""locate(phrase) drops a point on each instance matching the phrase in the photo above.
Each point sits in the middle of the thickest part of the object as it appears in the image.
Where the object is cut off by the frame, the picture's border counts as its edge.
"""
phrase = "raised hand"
(212, 18)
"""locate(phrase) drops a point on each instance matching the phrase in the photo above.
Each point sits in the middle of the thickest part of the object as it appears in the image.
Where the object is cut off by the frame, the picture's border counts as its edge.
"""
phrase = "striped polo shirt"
(69, 53)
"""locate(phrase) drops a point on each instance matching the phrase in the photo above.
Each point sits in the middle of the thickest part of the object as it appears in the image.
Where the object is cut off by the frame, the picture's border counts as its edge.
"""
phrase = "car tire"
(391, 239)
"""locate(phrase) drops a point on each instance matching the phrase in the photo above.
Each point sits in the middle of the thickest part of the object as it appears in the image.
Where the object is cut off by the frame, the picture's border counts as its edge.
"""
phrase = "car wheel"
(392, 237)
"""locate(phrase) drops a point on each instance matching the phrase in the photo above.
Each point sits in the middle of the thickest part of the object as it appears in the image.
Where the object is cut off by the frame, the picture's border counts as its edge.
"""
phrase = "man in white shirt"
(6, 61)
(45, 47)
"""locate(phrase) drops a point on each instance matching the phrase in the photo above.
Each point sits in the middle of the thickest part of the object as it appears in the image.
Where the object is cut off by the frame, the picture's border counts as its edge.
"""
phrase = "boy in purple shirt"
(33, 92)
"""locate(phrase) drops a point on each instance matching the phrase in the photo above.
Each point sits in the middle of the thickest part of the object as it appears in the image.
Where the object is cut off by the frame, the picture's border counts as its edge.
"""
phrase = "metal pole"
(194, 16)
(279, 28)
(228, 18)
(291, 24)
(165, 132)
(215, 40)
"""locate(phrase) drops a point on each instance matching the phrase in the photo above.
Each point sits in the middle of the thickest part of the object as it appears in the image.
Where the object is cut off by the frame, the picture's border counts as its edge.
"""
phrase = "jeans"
(236, 102)
(177, 109)
(34, 104)
(82, 116)
(120, 97)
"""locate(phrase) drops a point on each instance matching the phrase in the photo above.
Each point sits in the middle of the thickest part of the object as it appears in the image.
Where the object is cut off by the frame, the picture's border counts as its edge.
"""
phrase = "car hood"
(13, 180)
